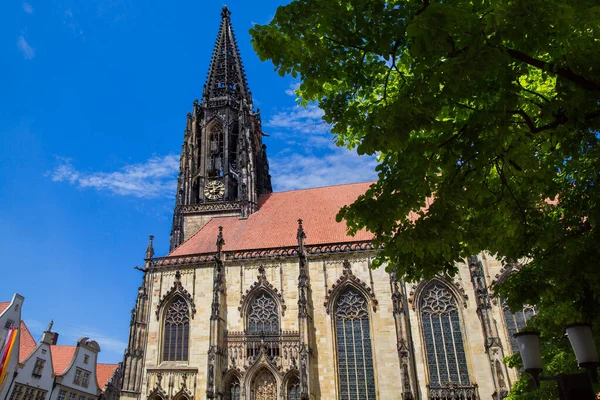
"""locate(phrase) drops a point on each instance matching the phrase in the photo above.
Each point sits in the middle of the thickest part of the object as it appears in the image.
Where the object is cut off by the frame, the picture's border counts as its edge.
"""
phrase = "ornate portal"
(264, 387)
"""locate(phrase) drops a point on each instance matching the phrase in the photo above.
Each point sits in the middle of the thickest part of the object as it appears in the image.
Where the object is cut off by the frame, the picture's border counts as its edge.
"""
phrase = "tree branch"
(559, 120)
(560, 71)
(345, 44)
(425, 5)
(533, 92)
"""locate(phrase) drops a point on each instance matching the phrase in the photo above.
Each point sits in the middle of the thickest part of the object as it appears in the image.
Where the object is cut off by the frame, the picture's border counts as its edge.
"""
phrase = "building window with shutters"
(353, 340)
(176, 331)
(17, 392)
(86, 379)
(77, 378)
(38, 368)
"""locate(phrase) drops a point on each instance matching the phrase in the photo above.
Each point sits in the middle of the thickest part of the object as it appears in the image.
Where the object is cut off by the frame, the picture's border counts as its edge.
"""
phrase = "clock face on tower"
(214, 190)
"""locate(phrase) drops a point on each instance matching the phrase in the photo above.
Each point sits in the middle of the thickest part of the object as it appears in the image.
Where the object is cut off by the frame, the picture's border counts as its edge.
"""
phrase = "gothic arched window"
(293, 389)
(264, 386)
(176, 331)
(516, 321)
(444, 345)
(354, 354)
(232, 392)
(215, 147)
(263, 317)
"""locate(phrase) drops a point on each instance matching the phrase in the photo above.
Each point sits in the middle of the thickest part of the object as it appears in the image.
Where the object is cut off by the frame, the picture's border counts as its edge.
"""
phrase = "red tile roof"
(61, 358)
(104, 372)
(275, 224)
(4, 305)
(26, 342)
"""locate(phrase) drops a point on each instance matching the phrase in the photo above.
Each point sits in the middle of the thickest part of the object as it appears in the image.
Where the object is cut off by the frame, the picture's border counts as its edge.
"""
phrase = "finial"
(178, 275)
(150, 249)
(220, 242)
(50, 326)
(261, 272)
(300, 236)
(347, 267)
(225, 13)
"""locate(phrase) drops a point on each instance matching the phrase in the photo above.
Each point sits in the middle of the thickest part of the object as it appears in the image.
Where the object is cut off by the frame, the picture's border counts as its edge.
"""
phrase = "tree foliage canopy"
(489, 107)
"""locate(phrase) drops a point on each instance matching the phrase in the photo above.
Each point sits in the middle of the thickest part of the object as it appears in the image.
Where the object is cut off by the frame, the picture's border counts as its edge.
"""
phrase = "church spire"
(223, 167)
(226, 80)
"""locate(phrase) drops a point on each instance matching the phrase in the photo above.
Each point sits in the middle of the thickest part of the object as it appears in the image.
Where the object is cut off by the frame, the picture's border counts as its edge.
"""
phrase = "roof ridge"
(320, 187)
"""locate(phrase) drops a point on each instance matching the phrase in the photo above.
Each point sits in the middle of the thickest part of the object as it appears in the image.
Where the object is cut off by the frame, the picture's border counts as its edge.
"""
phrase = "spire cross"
(225, 13)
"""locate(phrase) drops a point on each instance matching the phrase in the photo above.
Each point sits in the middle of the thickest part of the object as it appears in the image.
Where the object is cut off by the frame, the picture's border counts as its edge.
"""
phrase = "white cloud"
(334, 167)
(310, 157)
(154, 178)
(72, 23)
(27, 8)
(107, 343)
(26, 49)
(293, 87)
(300, 119)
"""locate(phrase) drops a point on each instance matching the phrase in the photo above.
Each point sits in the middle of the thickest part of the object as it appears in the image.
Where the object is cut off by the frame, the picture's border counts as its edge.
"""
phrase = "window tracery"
(232, 392)
(263, 317)
(293, 389)
(354, 353)
(264, 387)
(176, 331)
(516, 321)
(442, 332)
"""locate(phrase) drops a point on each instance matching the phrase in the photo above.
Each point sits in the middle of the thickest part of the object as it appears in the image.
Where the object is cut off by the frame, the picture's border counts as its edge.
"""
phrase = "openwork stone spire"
(226, 80)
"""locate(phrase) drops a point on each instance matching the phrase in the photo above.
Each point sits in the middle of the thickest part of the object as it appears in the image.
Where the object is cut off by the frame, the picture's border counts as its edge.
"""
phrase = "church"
(263, 295)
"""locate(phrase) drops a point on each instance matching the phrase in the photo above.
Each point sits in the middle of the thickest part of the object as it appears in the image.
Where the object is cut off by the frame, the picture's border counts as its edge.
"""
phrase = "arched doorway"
(264, 386)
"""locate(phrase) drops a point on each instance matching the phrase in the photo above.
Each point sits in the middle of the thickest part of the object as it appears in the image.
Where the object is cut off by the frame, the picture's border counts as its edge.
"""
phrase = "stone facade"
(394, 318)
(263, 318)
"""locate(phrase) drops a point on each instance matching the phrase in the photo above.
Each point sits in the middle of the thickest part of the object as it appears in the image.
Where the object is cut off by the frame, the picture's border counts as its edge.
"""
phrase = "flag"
(6, 352)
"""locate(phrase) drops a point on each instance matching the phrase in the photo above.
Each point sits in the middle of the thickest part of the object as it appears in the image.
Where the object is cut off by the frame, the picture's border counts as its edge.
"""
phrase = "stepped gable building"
(48, 371)
(263, 296)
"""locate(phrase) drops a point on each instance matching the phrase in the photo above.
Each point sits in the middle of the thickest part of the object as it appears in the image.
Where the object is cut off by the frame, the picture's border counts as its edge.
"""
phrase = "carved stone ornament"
(454, 285)
(176, 290)
(262, 284)
(184, 393)
(208, 207)
(348, 278)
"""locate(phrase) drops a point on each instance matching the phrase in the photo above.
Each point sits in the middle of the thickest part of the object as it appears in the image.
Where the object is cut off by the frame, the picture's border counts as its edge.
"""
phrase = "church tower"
(223, 166)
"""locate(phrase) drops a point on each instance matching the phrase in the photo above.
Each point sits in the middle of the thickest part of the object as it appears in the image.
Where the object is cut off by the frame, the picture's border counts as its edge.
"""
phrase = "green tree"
(490, 108)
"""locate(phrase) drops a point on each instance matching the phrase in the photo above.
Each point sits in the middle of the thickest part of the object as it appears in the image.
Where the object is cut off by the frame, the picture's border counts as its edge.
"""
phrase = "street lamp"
(571, 386)
(582, 341)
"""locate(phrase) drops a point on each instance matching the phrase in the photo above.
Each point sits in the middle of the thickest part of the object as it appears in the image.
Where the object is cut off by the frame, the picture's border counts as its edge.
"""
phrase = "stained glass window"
(444, 345)
(515, 322)
(293, 389)
(264, 386)
(354, 354)
(263, 317)
(177, 330)
(233, 390)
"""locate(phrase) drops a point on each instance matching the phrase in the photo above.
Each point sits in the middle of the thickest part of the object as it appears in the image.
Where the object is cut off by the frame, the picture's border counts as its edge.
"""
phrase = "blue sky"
(93, 101)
